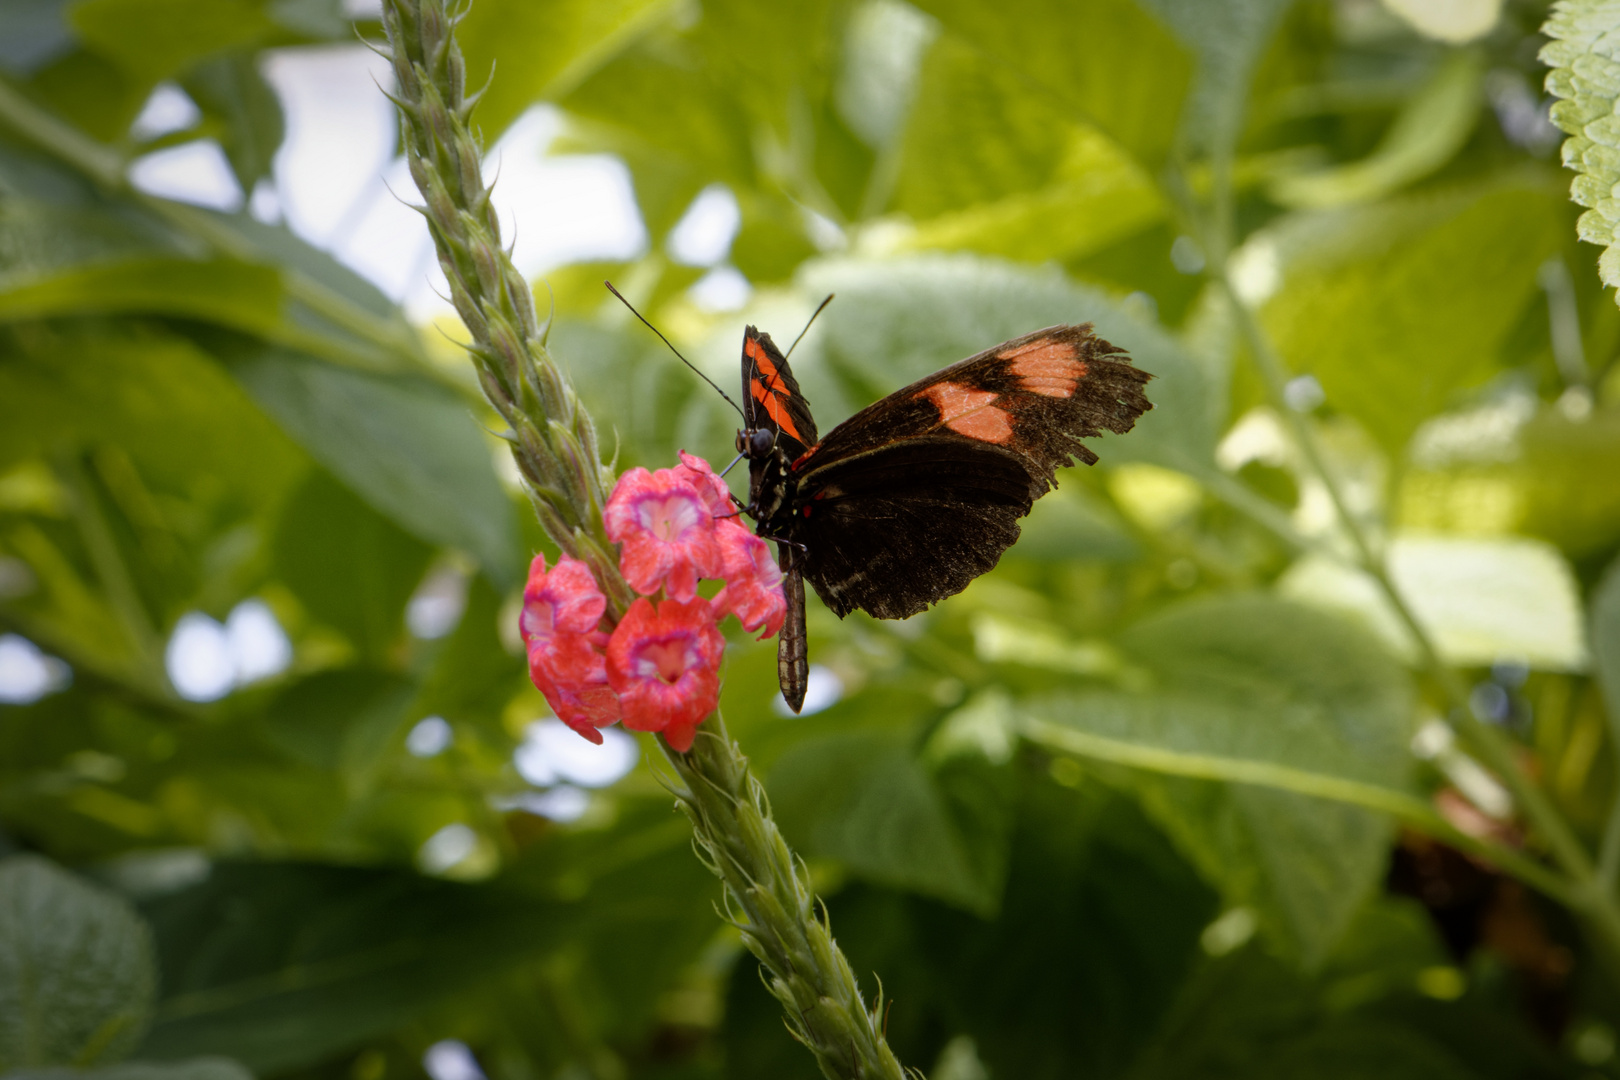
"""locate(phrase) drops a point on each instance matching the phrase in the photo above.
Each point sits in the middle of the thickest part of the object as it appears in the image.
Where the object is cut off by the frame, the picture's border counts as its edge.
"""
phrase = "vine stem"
(1585, 891)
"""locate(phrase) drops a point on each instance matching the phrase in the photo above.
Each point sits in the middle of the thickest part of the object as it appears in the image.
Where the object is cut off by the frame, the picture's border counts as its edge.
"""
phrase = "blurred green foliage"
(1131, 806)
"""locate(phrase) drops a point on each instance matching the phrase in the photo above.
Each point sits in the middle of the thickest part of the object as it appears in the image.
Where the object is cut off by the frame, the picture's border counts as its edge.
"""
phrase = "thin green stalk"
(770, 902)
(768, 895)
(1584, 888)
(1584, 891)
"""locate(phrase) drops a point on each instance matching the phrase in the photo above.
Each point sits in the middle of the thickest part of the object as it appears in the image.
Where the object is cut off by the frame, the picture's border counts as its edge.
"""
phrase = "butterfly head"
(756, 444)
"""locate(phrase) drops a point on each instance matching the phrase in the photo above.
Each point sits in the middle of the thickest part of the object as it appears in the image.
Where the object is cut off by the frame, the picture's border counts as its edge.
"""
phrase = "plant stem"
(552, 437)
(1585, 892)
(554, 442)
(769, 901)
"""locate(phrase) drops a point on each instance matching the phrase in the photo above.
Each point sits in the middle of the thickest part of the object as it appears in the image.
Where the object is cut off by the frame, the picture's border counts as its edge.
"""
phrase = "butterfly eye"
(760, 442)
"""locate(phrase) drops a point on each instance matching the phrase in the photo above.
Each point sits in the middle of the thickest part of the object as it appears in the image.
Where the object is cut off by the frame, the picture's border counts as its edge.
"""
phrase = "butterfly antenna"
(807, 326)
(673, 349)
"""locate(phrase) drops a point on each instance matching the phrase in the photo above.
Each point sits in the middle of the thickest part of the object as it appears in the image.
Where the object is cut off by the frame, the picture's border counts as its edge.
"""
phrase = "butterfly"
(913, 497)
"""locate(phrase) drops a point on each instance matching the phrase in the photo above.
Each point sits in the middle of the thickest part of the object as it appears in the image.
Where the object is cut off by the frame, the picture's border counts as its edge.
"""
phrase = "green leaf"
(1586, 75)
(1098, 926)
(1228, 39)
(404, 446)
(32, 34)
(546, 51)
(157, 39)
(1247, 1015)
(1429, 130)
(205, 1068)
(1606, 643)
(230, 293)
(1480, 598)
(230, 91)
(77, 971)
(1093, 196)
(867, 801)
(976, 136)
(1312, 714)
(343, 720)
(1112, 62)
(1365, 299)
(282, 965)
(352, 568)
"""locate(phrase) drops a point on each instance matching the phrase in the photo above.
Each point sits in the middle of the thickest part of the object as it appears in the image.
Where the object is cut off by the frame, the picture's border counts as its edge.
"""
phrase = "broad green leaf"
(867, 801)
(976, 136)
(157, 39)
(1481, 599)
(341, 720)
(281, 965)
(1096, 197)
(1585, 61)
(166, 452)
(1112, 62)
(32, 34)
(657, 96)
(545, 51)
(237, 295)
(77, 971)
(1606, 641)
(205, 1068)
(352, 568)
(1245, 1015)
(1118, 917)
(1300, 717)
(230, 91)
(406, 447)
(474, 676)
(1429, 131)
(897, 320)
(1072, 977)
(1365, 299)
(1228, 39)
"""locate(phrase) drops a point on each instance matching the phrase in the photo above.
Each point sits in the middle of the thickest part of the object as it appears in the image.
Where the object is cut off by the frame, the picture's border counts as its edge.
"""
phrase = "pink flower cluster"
(659, 668)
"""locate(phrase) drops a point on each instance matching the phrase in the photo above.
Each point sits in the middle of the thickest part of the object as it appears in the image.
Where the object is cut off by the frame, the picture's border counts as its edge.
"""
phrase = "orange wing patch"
(773, 379)
(772, 390)
(970, 412)
(1046, 367)
(774, 408)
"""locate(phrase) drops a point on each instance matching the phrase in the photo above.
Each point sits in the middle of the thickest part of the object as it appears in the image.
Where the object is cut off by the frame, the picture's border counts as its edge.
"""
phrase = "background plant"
(1143, 801)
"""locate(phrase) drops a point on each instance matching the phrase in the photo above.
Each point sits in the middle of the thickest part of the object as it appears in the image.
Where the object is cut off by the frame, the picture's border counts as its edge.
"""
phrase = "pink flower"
(753, 589)
(664, 663)
(561, 610)
(665, 528)
(566, 601)
(716, 495)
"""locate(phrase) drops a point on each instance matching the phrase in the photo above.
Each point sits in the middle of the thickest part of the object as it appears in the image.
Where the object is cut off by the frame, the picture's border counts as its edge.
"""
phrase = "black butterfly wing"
(912, 498)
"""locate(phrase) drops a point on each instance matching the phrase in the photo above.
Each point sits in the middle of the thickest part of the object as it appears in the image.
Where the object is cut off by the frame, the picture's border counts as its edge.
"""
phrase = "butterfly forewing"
(771, 398)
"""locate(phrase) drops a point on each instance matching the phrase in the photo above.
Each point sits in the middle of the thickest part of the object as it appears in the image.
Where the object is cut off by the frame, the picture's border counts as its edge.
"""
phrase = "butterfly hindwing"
(912, 498)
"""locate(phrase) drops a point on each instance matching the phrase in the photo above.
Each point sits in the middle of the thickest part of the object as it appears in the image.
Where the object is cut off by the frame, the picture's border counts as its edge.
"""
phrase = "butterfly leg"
(793, 644)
